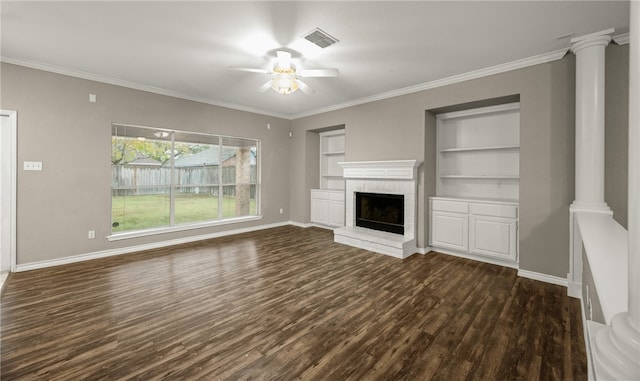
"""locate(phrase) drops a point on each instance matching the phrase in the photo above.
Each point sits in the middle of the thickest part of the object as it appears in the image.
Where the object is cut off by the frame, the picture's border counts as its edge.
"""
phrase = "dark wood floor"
(284, 304)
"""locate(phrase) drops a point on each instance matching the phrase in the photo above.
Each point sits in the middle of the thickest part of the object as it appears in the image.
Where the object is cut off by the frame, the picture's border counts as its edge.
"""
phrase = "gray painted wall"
(72, 137)
(616, 136)
(398, 128)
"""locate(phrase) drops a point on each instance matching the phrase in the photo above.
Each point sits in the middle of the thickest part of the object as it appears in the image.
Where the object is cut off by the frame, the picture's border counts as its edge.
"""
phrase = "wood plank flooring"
(286, 304)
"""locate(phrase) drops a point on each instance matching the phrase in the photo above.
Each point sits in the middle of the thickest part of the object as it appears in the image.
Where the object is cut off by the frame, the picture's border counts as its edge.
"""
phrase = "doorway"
(8, 169)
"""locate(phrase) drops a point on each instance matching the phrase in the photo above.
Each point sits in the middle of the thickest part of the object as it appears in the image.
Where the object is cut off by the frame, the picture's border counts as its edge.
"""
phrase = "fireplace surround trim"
(393, 177)
(388, 169)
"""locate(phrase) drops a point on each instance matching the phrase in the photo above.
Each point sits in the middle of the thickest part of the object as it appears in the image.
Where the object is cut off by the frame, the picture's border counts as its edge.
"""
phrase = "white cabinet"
(319, 210)
(450, 230)
(331, 153)
(475, 228)
(493, 236)
(327, 207)
(479, 153)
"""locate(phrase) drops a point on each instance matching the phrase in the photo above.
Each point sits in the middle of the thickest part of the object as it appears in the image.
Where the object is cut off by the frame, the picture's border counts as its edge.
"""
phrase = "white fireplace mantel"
(390, 169)
(391, 177)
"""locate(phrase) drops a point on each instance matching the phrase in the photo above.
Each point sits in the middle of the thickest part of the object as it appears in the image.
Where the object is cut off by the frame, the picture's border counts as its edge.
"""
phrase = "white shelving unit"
(479, 153)
(475, 214)
(331, 153)
(327, 203)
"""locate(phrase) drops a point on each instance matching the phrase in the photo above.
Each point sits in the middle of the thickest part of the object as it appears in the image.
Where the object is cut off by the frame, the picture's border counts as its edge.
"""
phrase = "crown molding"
(135, 86)
(621, 39)
(497, 69)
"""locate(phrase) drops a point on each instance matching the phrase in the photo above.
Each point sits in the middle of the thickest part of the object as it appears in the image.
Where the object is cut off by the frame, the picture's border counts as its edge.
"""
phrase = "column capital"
(601, 38)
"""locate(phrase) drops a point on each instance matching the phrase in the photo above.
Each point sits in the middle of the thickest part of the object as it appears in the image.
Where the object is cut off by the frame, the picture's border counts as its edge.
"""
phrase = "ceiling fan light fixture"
(284, 83)
(284, 80)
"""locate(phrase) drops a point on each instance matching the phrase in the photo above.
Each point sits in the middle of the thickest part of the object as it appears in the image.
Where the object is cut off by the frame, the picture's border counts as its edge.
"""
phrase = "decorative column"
(617, 355)
(589, 51)
(589, 165)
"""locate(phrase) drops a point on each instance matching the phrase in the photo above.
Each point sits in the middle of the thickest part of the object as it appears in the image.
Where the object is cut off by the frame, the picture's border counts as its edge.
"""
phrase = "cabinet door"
(320, 211)
(336, 213)
(493, 237)
(450, 231)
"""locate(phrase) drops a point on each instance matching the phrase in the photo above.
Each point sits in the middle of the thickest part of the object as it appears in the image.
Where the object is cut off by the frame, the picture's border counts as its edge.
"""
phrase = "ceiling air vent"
(320, 38)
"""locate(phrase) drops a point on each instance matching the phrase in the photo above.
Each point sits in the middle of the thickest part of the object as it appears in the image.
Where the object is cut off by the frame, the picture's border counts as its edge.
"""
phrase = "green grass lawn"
(151, 211)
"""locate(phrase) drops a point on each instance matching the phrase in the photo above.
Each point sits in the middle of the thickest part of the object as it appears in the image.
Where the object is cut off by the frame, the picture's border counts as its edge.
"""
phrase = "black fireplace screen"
(380, 211)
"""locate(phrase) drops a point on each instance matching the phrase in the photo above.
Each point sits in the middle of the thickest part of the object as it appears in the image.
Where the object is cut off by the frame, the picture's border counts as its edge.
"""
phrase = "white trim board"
(521, 273)
(136, 248)
(301, 224)
(477, 258)
(12, 147)
(497, 69)
(485, 72)
(424, 250)
(134, 85)
(543, 277)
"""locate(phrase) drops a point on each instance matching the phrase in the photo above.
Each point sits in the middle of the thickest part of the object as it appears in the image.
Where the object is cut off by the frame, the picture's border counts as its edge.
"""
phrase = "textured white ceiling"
(186, 48)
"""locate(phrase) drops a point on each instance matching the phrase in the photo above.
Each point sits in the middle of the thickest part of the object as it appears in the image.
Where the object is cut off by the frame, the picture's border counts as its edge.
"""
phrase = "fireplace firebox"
(380, 211)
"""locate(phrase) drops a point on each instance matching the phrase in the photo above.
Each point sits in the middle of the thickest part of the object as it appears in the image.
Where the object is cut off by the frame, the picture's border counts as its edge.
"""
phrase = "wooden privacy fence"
(129, 180)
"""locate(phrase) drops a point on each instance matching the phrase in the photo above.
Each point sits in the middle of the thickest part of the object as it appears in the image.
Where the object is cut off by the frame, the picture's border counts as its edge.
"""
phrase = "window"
(164, 178)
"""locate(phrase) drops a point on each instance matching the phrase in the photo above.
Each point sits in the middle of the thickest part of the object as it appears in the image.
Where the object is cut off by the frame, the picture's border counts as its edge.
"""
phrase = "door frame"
(12, 146)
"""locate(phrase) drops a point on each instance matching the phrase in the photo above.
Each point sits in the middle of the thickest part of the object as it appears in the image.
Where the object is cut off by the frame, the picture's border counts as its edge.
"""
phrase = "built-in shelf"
(470, 149)
(478, 153)
(331, 153)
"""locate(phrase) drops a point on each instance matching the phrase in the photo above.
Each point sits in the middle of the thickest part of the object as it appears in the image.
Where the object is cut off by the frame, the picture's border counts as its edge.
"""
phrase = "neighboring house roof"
(208, 157)
(145, 161)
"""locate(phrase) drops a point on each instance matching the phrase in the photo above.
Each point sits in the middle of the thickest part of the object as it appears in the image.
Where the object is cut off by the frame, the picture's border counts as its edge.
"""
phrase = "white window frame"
(117, 236)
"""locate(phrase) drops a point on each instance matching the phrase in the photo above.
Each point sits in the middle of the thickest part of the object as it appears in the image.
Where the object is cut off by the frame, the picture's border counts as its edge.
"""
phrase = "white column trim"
(589, 159)
(12, 188)
(590, 64)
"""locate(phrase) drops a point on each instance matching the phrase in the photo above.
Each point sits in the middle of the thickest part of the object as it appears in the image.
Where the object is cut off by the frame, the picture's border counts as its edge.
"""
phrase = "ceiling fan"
(286, 78)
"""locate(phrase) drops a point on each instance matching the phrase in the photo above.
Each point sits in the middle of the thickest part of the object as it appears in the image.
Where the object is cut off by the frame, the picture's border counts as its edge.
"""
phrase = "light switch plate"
(33, 166)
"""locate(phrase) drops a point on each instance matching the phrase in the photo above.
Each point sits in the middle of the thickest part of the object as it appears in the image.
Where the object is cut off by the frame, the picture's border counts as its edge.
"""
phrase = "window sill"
(178, 228)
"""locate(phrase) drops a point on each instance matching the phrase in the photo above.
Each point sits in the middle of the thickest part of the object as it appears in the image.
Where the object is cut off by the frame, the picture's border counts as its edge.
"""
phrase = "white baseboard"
(478, 258)
(424, 250)
(543, 277)
(136, 248)
(322, 226)
(301, 224)
(574, 290)
(3, 277)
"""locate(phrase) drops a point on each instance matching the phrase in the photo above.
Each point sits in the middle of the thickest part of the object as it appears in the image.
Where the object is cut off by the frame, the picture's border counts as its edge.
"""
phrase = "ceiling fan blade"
(305, 88)
(264, 87)
(284, 59)
(319, 73)
(251, 70)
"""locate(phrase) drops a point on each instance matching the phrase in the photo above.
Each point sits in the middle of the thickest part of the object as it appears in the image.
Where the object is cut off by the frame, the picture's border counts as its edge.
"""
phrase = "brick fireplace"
(394, 178)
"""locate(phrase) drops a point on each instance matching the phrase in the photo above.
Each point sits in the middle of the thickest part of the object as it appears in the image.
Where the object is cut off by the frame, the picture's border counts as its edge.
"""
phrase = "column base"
(615, 349)
(586, 206)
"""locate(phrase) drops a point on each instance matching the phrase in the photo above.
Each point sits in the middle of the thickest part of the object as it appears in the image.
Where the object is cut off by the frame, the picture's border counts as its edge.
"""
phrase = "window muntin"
(163, 178)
